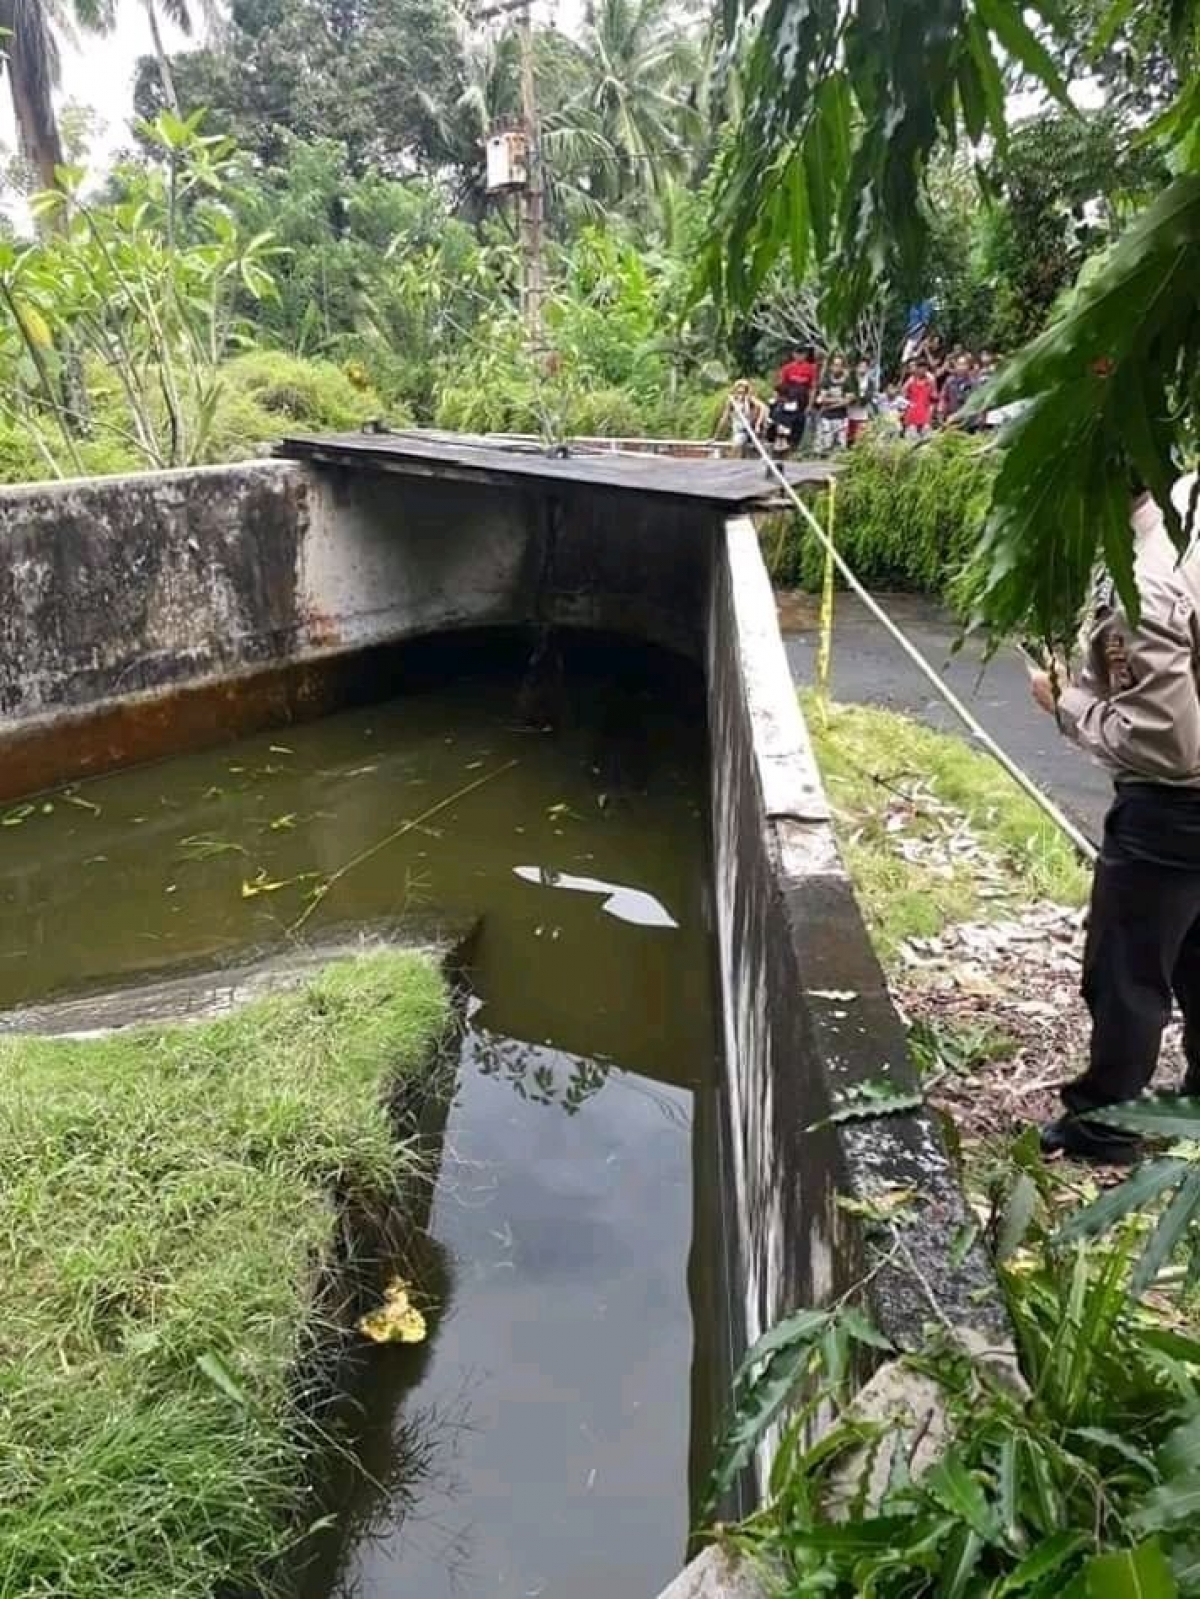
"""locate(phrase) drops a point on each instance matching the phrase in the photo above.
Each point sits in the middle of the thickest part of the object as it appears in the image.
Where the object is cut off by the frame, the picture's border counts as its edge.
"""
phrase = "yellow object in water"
(396, 1321)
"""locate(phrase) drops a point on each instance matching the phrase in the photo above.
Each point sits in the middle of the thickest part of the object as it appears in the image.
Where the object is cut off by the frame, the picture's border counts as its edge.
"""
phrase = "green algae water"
(561, 1410)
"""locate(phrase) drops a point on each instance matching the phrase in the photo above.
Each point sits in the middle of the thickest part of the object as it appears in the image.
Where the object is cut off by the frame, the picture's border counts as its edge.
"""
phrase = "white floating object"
(626, 904)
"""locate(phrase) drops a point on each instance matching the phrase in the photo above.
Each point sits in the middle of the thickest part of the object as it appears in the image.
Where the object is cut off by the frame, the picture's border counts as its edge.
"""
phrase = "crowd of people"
(822, 404)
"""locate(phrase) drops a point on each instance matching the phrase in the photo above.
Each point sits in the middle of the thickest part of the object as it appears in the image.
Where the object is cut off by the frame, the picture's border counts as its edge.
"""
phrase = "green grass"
(167, 1200)
(866, 756)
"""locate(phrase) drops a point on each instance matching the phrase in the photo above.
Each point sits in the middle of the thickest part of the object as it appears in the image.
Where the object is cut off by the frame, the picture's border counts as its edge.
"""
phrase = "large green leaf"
(1180, 1453)
(959, 1564)
(1044, 1560)
(1174, 1504)
(1161, 1118)
(1169, 1234)
(960, 1493)
(1007, 22)
(1103, 382)
(1141, 1573)
(1146, 1184)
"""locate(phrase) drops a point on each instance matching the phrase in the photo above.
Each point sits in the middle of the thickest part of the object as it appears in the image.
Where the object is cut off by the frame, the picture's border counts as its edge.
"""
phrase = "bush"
(316, 393)
(267, 393)
(20, 461)
(908, 516)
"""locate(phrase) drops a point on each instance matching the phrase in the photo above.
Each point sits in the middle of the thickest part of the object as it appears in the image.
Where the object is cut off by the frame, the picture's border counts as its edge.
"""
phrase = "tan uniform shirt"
(1136, 702)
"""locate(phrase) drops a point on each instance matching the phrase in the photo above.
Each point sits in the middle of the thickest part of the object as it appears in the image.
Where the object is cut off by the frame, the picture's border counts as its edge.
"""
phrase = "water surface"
(563, 1397)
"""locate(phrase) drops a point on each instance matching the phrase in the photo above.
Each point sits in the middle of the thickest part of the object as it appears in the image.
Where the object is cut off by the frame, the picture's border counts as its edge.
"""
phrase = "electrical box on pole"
(514, 166)
(507, 161)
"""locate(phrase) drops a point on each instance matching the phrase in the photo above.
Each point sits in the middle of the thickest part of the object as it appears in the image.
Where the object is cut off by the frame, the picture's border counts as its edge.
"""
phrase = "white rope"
(1063, 822)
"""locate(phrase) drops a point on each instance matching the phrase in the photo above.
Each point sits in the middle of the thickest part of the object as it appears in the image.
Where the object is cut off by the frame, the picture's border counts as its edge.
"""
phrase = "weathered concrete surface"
(141, 616)
(807, 1016)
(204, 991)
(117, 586)
(717, 1574)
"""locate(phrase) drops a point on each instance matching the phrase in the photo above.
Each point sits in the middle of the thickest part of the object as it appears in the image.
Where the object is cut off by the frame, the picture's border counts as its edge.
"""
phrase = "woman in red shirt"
(920, 392)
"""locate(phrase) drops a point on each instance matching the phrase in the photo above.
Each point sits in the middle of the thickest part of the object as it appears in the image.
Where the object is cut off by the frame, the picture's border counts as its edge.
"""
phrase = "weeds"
(1075, 1471)
(908, 518)
(1078, 1477)
(165, 1210)
(941, 1049)
(972, 841)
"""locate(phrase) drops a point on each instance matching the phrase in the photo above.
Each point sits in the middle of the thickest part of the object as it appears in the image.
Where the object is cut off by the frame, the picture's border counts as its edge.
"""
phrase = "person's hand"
(1041, 686)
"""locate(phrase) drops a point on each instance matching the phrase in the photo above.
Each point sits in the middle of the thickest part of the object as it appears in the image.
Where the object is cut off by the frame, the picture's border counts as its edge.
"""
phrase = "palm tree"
(485, 90)
(179, 12)
(639, 70)
(31, 60)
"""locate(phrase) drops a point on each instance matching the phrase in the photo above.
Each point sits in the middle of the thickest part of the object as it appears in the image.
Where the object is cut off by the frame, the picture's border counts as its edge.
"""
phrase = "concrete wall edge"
(848, 1025)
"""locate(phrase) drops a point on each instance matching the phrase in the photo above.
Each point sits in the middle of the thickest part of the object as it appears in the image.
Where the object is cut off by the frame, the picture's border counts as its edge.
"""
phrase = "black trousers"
(1143, 942)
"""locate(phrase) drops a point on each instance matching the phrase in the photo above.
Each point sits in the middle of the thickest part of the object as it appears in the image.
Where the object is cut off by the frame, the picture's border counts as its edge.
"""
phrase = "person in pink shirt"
(920, 394)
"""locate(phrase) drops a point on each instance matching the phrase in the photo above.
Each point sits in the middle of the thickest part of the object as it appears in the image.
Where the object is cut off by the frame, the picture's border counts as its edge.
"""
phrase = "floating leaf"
(201, 847)
(396, 1321)
(262, 884)
(83, 804)
(280, 749)
(16, 816)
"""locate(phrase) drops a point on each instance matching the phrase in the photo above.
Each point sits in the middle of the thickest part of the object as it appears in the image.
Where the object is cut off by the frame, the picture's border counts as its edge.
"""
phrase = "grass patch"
(877, 764)
(166, 1205)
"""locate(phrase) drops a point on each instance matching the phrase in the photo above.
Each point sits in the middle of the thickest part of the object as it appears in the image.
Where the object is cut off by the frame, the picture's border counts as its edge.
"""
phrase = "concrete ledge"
(808, 1017)
(717, 1574)
(144, 615)
(202, 990)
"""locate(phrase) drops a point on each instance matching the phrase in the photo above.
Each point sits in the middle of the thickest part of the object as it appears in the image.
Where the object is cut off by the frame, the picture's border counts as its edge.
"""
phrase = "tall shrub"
(908, 516)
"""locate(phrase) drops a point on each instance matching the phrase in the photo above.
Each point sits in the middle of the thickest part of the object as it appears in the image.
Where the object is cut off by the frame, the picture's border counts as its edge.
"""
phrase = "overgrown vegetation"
(170, 1195)
(1072, 1465)
(849, 109)
(1074, 1475)
(877, 764)
(908, 517)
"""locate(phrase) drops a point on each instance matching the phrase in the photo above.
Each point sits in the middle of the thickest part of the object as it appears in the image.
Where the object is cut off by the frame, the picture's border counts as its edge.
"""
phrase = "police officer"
(1136, 707)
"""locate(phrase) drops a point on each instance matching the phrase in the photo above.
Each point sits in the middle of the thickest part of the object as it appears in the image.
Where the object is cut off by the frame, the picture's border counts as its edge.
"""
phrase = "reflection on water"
(551, 1407)
(543, 1077)
(558, 1379)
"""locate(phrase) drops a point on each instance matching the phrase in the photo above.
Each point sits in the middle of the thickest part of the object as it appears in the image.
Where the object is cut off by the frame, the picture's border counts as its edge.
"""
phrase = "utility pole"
(531, 191)
(533, 195)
